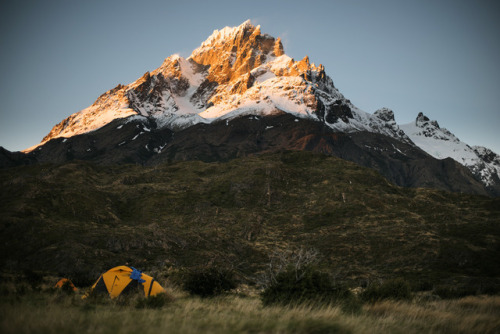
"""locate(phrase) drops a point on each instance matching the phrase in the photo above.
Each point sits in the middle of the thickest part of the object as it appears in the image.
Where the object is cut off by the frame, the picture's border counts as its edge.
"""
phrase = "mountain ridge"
(136, 141)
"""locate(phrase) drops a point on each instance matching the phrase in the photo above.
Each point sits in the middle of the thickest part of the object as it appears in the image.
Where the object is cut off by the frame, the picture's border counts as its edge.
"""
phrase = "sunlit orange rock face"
(231, 60)
(236, 67)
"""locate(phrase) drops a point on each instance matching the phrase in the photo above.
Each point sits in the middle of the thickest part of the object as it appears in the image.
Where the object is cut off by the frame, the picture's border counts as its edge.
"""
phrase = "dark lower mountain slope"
(81, 218)
(10, 159)
(403, 164)
(140, 143)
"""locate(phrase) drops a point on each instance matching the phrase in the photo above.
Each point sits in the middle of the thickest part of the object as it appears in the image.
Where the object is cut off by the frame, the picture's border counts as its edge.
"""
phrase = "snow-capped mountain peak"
(431, 128)
(236, 71)
(441, 144)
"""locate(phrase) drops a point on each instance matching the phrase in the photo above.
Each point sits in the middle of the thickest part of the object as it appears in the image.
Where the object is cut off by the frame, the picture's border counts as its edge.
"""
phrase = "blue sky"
(436, 57)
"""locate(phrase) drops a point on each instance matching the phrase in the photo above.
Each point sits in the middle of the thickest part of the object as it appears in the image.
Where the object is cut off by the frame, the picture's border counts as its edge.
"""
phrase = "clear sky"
(438, 57)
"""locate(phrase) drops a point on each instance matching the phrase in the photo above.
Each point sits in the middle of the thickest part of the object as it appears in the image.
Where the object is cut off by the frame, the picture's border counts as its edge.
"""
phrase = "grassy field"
(58, 312)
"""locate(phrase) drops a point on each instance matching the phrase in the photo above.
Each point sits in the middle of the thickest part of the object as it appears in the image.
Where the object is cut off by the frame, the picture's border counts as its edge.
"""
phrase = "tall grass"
(473, 314)
(42, 312)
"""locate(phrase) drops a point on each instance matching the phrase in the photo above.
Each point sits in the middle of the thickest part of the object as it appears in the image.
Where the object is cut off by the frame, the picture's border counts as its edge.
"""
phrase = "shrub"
(310, 285)
(422, 285)
(490, 288)
(453, 292)
(93, 298)
(33, 278)
(157, 301)
(396, 289)
(209, 281)
(83, 278)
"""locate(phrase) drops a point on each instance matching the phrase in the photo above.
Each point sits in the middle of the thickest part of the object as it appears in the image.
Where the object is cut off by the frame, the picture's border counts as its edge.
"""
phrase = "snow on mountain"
(441, 144)
(236, 71)
(488, 168)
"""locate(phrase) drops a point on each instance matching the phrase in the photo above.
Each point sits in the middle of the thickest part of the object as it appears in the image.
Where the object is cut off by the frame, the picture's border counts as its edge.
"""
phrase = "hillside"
(79, 218)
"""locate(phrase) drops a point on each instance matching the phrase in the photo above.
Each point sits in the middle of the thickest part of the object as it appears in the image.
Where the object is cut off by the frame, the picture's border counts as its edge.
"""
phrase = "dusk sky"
(436, 57)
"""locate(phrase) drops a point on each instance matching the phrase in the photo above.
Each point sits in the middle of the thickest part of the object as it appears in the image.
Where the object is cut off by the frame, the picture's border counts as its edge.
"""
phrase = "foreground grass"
(59, 313)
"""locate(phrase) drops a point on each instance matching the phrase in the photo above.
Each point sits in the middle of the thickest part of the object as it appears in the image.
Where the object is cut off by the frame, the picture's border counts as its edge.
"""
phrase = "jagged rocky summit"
(238, 94)
(236, 71)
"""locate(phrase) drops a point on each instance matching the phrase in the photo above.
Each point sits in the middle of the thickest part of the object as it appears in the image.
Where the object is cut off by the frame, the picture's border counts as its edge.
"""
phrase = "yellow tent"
(122, 279)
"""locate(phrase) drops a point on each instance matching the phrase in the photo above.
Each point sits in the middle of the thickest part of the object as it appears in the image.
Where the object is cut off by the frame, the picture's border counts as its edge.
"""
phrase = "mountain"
(236, 71)
(239, 94)
(441, 143)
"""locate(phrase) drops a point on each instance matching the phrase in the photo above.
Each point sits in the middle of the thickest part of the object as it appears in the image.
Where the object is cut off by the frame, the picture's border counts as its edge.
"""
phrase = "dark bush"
(209, 281)
(33, 278)
(469, 287)
(422, 285)
(453, 292)
(396, 289)
(157, 301)
(490, 288)
(310, 285)
(94, 299)
(83, 278)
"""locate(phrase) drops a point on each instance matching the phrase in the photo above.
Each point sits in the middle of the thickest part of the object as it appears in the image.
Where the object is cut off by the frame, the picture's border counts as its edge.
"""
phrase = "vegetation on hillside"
(79, 219)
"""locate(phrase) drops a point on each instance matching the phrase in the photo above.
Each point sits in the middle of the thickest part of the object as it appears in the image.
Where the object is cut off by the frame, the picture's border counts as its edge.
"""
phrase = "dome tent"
(122, 279)
(66, 283)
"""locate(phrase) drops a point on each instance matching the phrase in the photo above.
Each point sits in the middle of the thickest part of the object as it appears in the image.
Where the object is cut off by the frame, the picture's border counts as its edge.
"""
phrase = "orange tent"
(66, 282)
(122, 279)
